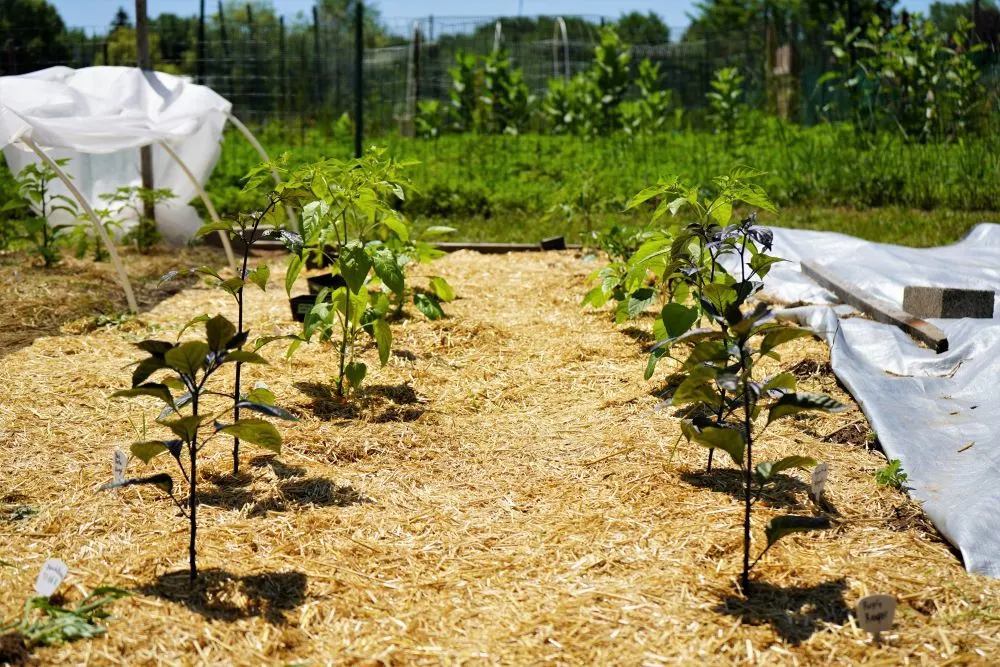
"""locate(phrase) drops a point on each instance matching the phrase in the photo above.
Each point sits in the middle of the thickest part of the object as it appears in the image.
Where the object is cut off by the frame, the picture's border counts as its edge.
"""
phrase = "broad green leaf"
(156, 390)
(595, 298)
(208, 271)
(780, 526)
(185, 428)
(383, 339)
(387, 269)
(761, 264)
(442, 289)
(261, 394)
(722, 211)
(355, 373)
(295, 265)
(644, 195)
(698, 387)
(354, 265)
(208, 228)
(219, 331)
(259, 276)
(639, 301)
(149, 449)
(145, 368)
(428, 305)
(398, 228)
(438, 230)
(198, 319)
(187, 358)
(244, 357)
(677, 319)
(790, 404)
(780, 382)
(157, 348)
(233, 285)
(255, 431)
(781, 335)
(729, 440)
(654, 358)
(768, 469)
(268, 409)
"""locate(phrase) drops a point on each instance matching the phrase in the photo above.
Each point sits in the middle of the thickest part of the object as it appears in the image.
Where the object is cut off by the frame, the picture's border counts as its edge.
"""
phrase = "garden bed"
(502, 491)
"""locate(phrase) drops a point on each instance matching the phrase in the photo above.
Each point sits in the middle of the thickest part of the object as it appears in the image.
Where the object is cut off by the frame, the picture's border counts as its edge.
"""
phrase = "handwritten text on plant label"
(52, 574)
(819, 476)
(875, 613)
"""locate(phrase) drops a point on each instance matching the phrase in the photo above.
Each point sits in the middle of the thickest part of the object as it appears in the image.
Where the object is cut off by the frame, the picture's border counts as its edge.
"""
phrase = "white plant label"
(875, 613)
(52, 574)
(119, 465)
(818, 484)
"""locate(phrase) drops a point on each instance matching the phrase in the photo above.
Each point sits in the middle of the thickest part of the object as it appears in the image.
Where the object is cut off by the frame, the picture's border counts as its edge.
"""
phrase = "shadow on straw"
(794, 612)
(783, 491)
(290, 493)
(382, 402)
(220, 595)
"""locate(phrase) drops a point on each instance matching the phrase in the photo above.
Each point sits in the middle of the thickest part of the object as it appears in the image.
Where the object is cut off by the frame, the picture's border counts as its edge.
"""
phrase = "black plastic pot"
(327, 280)
(301, 305)
(554, 243)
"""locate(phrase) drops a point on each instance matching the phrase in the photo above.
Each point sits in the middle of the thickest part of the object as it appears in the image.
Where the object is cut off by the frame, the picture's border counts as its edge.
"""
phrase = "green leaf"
(190, 323)
(355, 373)
(259, 276)
(639, 301)
(398, 227)
(162, 481)
(255, 431)
(387, 269)
(644, 196)
(654, 358)
(185, 428)
(781, 335)
(761, 264)
(765, 471)
(722, 211)
(780, 526)
(678, 319)
(187, 358)
(148, 450)
(268, 409)
(244, 357)
(729, 440)
(145, 368)
(295, 265)
(780, 382)
(698, 387)
(442, 289)
(208, 228)
(383, 339)
(157, 348)
(439, 230)
(208, 271)
(428, 305)
(233, 285)
(261, 395)
(219, 331)
(791, 404)
(354, 265)
(156, 390)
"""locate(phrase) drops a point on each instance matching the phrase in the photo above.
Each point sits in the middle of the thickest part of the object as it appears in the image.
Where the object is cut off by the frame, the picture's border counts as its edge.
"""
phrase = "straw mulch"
(502, 492)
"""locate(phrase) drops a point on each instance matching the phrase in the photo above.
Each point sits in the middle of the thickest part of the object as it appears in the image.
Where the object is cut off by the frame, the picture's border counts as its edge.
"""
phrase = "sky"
(98, 13)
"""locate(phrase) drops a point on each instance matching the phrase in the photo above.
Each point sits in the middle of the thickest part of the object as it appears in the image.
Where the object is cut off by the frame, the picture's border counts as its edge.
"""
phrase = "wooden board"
(878, 309)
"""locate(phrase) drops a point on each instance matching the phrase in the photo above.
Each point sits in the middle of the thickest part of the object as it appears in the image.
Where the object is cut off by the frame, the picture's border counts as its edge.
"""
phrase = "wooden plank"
(878, 309)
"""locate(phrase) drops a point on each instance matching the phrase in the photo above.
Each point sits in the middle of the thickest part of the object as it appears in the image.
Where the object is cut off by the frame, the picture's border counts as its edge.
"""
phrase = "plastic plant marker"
(119, 465)
(818, 481)
(875, 614)
(52, 574)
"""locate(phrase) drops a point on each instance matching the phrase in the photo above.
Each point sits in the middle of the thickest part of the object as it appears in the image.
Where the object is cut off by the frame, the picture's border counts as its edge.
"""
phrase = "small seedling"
(189, 366)
(34, 187)
(891, 475)
(144, 235)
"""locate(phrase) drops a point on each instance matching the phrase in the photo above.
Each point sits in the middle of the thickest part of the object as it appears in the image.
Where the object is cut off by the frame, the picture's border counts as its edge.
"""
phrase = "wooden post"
(227, 63)
(282, 68)
(145, 64)
(359, 73)
(201, 43)
(317, 76)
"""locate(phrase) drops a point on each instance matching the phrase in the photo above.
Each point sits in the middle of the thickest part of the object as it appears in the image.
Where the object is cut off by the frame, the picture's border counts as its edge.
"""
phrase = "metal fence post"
(359, 73)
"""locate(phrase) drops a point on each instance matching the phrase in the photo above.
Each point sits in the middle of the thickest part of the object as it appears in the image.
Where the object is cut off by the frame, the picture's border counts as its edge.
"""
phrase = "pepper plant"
(351, 226)
(144, 235)
(34, 190)
(188, 367)
(724, 392)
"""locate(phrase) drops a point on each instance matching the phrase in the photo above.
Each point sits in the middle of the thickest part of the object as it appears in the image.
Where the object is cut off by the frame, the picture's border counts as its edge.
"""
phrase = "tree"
(32, 36)
(634, 28)
(121, 20)
(946, 16)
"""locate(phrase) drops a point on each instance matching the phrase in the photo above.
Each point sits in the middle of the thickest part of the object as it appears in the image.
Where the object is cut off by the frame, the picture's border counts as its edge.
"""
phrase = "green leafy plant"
(46, 623)
(505, 98)
(651, 113)
(891, 475)
(463, 94)
(726, 101)
(428, 121)
(722, 393)
(188, 367)
(34, 194)
(345, 225)
(135, 198)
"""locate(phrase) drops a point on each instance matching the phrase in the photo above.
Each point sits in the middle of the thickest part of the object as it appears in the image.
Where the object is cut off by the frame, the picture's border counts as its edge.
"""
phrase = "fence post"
(317, 78)
(359, 73)
(201, 43)
(228, 65)
(146, 64)
(282, 68)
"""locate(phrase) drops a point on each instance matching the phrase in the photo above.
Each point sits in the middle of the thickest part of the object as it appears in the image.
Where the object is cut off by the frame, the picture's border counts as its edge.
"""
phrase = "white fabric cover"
(925, 407)
(99, 117)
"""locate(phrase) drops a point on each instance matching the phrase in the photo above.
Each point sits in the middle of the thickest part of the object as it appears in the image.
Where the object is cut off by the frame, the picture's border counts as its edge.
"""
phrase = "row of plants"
(349, 227)
(700, 259)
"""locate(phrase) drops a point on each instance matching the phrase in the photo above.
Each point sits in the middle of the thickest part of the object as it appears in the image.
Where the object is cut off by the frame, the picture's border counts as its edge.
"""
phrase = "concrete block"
(948, 302)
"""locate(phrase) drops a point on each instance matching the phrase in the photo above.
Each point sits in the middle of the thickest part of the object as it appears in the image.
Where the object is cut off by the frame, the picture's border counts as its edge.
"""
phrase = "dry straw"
(501, 493)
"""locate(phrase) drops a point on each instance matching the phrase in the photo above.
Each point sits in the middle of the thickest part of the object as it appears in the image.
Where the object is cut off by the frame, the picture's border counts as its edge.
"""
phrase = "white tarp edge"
(99, 117)
(925, 407)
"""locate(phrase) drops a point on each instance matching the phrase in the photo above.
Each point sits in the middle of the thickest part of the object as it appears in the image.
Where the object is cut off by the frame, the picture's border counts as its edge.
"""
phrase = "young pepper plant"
(34, 187)
(350, 207)
(189, 366)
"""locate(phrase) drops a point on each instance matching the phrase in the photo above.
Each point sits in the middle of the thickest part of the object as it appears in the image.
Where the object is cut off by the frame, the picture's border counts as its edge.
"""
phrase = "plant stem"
(193, 489)
(745, 581)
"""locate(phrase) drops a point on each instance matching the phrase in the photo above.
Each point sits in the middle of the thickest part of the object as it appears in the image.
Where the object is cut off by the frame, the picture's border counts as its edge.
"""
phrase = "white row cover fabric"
(934, 412)
(99, 117)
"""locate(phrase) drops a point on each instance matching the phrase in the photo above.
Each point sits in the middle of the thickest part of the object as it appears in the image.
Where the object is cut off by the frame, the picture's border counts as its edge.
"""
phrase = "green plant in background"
(723, 393)
(610, 77)
(464, 92)
(505, 98)
(650, 114)
(189, 366)
(348, 213)
(429, 119)
(34, 193)
(135, 198)
(726, 101)
(891, 475)
(45, 623)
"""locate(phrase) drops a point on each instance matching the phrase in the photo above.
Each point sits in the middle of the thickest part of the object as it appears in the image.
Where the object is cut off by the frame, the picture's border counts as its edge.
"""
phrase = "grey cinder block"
(948, 302)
